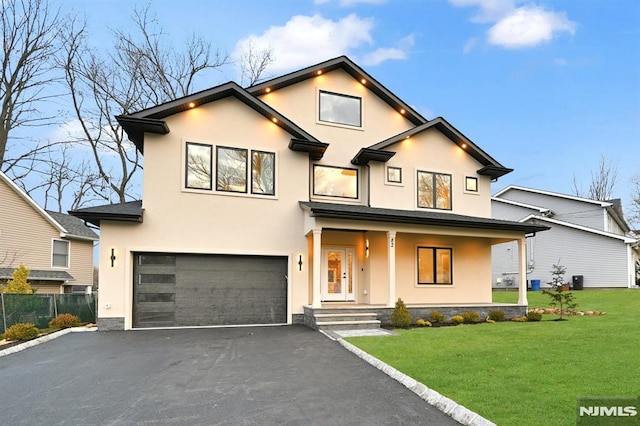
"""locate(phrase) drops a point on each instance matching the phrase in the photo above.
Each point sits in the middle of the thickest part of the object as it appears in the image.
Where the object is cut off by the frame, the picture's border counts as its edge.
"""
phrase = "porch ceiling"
(430, 218)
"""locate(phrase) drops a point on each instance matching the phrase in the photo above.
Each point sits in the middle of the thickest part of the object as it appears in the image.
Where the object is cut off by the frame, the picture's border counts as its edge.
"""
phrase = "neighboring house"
(590, 238)
(56, 247)
(319, 189)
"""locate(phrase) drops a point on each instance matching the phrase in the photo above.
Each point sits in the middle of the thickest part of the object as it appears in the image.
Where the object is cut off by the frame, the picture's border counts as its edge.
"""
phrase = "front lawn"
(526, 373)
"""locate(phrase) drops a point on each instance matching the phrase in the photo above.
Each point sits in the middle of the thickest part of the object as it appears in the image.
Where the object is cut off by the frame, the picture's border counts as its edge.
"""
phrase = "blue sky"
(545, 87)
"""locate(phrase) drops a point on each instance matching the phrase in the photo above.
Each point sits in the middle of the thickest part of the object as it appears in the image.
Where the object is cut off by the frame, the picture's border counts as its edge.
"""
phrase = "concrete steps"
(341, 320)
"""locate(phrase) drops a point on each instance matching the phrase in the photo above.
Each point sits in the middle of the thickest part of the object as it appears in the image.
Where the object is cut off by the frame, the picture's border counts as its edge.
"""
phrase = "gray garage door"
(173, 290)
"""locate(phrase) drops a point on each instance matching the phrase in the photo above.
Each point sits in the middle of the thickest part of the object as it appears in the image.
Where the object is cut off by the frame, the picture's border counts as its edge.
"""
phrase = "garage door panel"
(210, 290)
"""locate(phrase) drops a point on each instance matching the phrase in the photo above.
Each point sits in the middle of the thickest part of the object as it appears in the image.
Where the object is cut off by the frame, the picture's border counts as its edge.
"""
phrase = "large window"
(434, 190)
(434, 265)
(340, 109)
(263, 172)
(198, 168)
(335, 181)
(231, 169)
(60, 254)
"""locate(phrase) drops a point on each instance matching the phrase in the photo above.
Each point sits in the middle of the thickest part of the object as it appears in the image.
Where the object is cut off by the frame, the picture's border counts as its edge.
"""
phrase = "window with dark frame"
(60, 254)
(471, 184)
(434, 190)
(198, 168)
(333, 181)
(394, 174)
(231, 169)
(340, 109)
(435, 265)
(263, 172)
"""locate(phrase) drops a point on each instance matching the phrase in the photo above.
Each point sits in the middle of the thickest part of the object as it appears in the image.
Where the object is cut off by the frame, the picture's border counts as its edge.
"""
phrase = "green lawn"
(526, 373)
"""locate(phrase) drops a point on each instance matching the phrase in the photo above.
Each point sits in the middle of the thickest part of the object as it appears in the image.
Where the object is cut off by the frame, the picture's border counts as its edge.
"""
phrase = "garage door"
(174, 290)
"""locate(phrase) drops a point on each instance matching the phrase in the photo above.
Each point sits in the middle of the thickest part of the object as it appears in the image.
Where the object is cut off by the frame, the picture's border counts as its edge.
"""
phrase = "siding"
(81, 262)
(510, 212)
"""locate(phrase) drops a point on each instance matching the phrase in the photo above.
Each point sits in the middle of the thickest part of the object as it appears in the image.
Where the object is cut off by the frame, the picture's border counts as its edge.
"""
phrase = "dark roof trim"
(124, 212)
(344, 63)
(38, 275)
(315, 149)
(493, 167)
(429, 218)
(149, 120)
(365, 155)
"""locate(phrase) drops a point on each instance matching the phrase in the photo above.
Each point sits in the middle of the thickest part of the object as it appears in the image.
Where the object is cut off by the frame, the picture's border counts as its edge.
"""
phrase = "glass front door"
(338, 279)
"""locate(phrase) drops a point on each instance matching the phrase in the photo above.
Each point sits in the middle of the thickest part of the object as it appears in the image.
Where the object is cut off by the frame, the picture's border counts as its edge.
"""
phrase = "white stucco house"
(301, 199)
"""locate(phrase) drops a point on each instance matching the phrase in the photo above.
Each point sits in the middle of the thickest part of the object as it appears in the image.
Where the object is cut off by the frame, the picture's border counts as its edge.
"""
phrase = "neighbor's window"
(231, 169)
(198, 169)
(263, 172)
(340, 109)
(335, 181)
(434, 265)
(434, 190)
(394, 174)
(60, 254)
(471, 184)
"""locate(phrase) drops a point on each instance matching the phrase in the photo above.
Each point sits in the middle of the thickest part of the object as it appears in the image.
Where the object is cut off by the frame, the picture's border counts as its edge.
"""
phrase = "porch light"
(113, 257)
(300, 262)
(366, 248)
(192, 105)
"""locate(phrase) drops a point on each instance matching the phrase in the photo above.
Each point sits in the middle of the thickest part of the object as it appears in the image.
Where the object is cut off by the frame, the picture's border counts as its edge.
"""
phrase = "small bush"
(457, 319)
(21, 332)
(436, 316)
(471, 317)
(519, 319)
(65, 321)
(401, 317)
(420, 322)
(496, 315)
(533, 316)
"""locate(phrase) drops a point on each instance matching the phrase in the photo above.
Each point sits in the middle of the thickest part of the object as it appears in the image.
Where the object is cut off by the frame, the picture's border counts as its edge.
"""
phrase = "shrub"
(457, 319)
(401, 317)
(21, 332)
(471, 317)
(533, 316)
(558, 295)
(496, 315)
(436, 316)
(65, 321)
(19, 284)
(519, 319)
(420, 322)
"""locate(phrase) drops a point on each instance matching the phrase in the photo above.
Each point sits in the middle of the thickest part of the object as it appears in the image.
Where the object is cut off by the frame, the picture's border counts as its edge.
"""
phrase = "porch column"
(317, 265)
(522, 267)
(391, 258)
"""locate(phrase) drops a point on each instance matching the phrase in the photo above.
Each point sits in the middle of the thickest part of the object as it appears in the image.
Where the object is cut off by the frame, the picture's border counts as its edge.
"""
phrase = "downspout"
(368, 185)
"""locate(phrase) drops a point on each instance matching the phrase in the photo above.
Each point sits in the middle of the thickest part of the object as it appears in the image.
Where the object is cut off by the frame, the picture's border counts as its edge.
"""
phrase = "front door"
(338, 278)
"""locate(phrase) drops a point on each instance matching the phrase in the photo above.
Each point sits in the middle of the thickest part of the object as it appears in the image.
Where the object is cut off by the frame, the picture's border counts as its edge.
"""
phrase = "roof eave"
(135, 128)
(365, 155)
(315, 149)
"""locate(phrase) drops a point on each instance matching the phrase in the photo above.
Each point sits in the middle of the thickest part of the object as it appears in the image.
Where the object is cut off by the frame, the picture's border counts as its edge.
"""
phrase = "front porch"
(341, 316)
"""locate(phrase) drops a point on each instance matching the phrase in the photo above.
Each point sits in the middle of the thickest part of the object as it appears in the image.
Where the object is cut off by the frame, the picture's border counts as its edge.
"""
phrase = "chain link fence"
(39, 309)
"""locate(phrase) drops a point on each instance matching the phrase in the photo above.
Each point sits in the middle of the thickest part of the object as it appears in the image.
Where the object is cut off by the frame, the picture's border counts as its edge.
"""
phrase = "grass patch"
(525, 373)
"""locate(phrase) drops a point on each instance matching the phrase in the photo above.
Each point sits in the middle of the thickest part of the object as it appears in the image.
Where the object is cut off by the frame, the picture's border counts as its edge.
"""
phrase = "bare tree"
(142, 71)
(254, 63)
(635, 199)
(29, 34)
(603, 181)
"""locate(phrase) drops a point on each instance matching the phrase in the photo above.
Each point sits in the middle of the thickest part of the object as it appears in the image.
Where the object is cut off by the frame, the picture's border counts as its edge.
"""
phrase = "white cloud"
(469, 45)
(305, 40)
(528, 26)
(516, 27)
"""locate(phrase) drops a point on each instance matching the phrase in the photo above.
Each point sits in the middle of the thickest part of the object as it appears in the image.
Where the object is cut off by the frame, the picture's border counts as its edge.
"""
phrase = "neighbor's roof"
(625, 239)
(123, 212)
(73, 225)
(430, 218)
(38, 274)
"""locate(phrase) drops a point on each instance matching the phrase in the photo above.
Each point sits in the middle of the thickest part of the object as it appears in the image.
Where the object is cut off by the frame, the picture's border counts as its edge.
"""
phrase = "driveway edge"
(43, 339)
(441, 402)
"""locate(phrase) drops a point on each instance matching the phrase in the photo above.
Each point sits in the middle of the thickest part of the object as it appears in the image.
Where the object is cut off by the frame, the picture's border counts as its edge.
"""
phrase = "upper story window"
(394, 174)
(60, 254)
(434, 190)
(471, 184)
(335, 181)
(198, 174)
(231, 169)
(340, 109)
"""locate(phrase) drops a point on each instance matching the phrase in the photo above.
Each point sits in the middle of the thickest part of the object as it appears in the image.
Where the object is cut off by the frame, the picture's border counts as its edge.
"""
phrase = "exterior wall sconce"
(300, 262)
(113, 257)
(366, 248)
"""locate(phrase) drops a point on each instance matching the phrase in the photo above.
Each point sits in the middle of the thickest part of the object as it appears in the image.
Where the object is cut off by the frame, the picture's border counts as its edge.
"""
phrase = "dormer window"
(340, 109)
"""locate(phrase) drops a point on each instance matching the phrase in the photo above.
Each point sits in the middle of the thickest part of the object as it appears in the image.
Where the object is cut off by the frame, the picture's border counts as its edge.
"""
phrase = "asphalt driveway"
(287, 375)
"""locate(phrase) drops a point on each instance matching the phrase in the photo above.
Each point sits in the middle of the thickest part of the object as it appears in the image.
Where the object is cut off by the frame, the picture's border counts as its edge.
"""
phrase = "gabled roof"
(151, 119)
(553, 194)
(623, 238)
(491, 167)
(68, 226)
(345, 64)
(543, 210)
(123, 212)
(430, 218)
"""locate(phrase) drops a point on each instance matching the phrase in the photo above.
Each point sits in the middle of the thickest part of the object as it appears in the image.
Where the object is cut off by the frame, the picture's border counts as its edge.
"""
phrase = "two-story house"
(589, 237)
(56, 247)
(316, 190)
